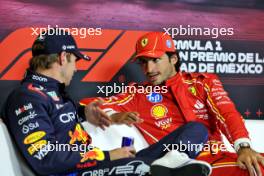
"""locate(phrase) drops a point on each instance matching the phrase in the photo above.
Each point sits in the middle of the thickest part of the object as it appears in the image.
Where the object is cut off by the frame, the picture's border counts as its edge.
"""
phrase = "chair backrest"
(12, 163)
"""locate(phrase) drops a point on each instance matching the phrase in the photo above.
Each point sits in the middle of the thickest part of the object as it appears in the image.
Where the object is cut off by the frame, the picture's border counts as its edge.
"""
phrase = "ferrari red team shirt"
(189, 97)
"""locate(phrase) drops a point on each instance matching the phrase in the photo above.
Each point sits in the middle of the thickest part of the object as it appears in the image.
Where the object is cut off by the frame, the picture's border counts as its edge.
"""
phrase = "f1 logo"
(109, 52)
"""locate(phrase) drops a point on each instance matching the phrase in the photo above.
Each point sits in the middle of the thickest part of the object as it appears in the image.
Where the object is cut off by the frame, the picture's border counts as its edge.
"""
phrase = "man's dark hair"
(178, 64)
(42, 61)
(45, 61)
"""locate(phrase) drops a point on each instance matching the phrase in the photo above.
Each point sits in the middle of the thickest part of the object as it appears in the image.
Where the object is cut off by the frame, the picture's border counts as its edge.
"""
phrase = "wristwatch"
(243, 145)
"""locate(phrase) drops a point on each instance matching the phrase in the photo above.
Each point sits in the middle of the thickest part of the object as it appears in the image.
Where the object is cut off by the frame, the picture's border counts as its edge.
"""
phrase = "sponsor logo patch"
(86, 165)
(168, 43)
(78, 135)
(136, 167)
(154, 97)
(59, 106)
(192, 90)
(42, 152)
(53, 95)
(144, 42)
(164, 123)
(39, 78)
(31, 115)
(33, 137)
(95, 154)
(36, 146)
(24, 108)
(159, 111)
(198, 105)
(29, 127)
(67, 117)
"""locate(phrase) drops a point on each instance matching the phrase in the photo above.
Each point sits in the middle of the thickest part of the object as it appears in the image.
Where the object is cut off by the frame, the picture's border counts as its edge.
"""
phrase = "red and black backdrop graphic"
(237, 58)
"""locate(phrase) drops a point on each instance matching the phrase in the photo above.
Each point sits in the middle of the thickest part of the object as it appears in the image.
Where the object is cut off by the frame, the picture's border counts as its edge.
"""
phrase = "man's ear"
(62, 58)
(174, 59)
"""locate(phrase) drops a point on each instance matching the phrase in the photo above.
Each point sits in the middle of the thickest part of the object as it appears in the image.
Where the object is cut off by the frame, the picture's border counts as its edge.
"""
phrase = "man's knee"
(197, 128)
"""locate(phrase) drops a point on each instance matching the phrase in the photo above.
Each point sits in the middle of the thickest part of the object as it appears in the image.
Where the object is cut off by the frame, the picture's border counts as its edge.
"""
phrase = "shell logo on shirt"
(159, 111)
(95, 154)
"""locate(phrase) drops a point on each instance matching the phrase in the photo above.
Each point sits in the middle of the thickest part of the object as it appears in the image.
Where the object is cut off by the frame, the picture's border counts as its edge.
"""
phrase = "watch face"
(244, 145)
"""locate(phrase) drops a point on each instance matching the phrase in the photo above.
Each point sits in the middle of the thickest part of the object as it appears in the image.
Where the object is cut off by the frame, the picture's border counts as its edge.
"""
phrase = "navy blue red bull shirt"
(45, 124)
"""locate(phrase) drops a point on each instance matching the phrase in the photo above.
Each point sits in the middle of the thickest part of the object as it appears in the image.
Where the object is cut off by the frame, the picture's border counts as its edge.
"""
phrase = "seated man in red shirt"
(177, 98)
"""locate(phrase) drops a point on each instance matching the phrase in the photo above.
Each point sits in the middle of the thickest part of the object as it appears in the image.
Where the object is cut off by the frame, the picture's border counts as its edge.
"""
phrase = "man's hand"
(96, 116)
(124, 152)
(249, 159)
(127, 118)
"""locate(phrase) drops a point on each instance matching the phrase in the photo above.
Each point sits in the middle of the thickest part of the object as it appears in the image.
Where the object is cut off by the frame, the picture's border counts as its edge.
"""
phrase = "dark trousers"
(183, 138)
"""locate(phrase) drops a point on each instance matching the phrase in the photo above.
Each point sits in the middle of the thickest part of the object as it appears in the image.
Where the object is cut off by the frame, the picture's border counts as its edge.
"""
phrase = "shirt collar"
(42, 80)
(171, 81)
